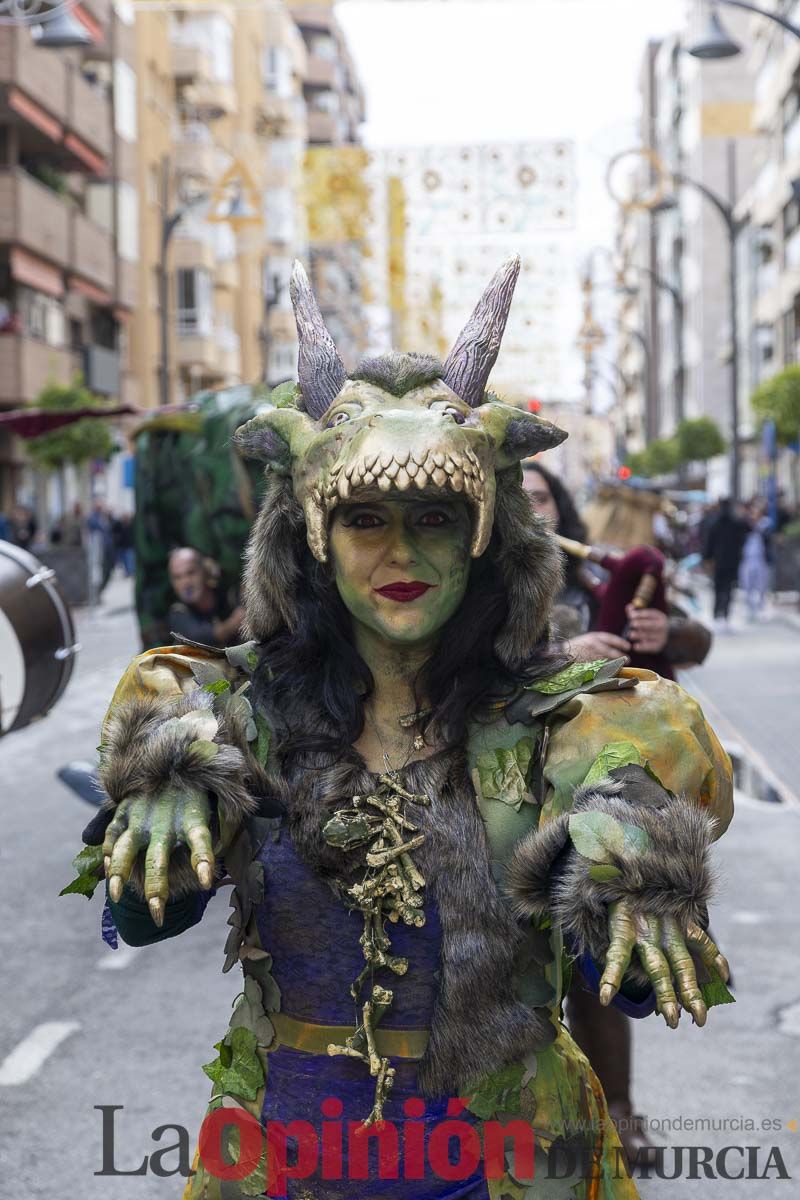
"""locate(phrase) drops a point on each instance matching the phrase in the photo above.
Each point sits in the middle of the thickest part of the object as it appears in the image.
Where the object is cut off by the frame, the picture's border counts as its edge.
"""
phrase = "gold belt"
(315, 1039)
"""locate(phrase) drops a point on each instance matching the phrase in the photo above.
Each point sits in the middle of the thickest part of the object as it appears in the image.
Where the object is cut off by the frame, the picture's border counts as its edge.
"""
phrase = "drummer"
(683, 640)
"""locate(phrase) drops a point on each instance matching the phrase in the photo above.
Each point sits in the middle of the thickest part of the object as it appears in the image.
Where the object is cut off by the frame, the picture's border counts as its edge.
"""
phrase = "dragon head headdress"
(400, 423)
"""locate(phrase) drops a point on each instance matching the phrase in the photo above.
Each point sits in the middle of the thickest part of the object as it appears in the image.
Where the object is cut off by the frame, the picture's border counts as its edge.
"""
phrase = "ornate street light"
(717, 43)
(61, 31)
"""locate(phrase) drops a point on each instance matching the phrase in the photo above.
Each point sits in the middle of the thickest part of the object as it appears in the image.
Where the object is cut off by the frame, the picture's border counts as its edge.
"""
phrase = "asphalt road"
(83, 1026)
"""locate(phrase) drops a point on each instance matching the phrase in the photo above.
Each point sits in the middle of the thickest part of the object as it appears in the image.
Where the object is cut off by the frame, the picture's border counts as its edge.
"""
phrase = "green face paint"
(401, 566)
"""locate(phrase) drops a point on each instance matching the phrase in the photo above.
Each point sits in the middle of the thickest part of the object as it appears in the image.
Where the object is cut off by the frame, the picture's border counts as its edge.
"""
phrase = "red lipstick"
(404, 592)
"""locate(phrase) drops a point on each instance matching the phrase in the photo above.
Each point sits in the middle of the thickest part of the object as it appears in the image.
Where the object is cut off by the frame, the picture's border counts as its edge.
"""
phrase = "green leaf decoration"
(570, 677)
(604, 872)
(285, 395)
(502, 772)
(596, 835)
(714, 989)
(237, 1071)
(88, 864)
(498, 1092)
(613, 755)
(218, 687)
(263, 739)
(244, 657)
(636, 840)
(203, 751)
(208, 671)
(249, 1014)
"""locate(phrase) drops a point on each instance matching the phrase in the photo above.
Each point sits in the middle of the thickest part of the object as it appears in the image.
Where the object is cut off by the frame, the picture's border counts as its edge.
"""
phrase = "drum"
(37, 639)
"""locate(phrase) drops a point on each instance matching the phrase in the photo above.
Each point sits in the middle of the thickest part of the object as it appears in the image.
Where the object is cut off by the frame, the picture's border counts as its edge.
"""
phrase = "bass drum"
(37, 639)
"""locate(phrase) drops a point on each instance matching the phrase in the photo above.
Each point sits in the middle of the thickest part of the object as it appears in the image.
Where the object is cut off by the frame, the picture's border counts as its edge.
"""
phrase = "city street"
(82, 1025)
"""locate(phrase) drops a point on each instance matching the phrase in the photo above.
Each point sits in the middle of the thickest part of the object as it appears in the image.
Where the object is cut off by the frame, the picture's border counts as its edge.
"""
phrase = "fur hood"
(527, 555)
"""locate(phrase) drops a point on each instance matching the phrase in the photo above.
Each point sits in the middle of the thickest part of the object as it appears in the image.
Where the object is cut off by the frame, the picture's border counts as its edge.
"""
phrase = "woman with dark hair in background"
(604, 1034)
(684, 641)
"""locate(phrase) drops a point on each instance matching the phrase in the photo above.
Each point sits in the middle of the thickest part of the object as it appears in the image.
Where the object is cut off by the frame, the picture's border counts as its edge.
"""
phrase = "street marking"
(119, 959)
(748, 918)
(33, 1051)
(789, 1019)
(746, 750)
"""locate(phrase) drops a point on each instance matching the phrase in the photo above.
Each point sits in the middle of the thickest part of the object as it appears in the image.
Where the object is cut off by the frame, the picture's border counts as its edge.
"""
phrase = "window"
(277, 71)
(42, 316)
(124, 100)
(195, 302)
(127, 222)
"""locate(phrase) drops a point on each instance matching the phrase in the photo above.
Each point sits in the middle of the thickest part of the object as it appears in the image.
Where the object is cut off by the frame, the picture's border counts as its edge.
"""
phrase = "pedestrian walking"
(755, 564)
(724, 543)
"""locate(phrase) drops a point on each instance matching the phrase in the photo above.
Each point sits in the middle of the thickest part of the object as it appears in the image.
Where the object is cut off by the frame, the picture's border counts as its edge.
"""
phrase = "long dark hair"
(311, 682)
(570, 524)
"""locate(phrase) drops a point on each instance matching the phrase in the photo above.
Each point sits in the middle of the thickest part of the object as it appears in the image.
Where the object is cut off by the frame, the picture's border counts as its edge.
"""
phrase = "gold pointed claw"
(106, 863)
(156, 906)
(699, 1012)
(671, 1014)
(721, 963)
(115, 888)
(205, 875)
(606, 994)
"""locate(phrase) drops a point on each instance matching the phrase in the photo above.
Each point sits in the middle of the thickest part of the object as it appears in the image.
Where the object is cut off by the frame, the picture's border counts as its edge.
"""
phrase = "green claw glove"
(177, 819)
(663, 948)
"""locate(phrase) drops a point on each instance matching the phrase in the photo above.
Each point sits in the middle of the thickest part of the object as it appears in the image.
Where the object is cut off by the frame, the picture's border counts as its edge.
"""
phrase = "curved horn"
(320, 370)
(470, 361)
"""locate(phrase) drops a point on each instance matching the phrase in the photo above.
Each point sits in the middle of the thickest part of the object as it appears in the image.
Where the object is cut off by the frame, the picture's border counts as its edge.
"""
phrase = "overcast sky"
(484, 70)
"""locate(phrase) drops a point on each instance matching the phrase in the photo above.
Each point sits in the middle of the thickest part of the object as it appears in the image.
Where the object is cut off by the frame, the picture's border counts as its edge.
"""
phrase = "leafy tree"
(77, 443)
(778, 399)
(698, 439)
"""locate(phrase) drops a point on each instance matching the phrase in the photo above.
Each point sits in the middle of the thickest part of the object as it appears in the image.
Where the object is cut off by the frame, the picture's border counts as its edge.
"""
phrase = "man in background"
(203, 611)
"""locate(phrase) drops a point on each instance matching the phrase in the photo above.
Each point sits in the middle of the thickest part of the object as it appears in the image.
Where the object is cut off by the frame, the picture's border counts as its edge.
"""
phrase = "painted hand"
(158, 827)
(663, 948)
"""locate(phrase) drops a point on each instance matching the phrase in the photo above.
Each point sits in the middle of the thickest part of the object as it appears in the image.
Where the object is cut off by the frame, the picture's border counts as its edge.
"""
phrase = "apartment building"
(769, 244)
(698, 118)
(220, 173)
(68, 216)
(335, 107)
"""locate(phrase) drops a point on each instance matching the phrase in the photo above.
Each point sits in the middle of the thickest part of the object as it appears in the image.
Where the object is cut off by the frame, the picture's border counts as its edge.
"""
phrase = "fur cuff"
(155, 744)
(671, 876)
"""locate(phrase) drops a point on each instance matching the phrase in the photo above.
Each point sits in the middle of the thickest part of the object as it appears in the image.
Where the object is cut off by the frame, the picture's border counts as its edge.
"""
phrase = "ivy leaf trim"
(89, 866)
(569, 677)
(237, 1069)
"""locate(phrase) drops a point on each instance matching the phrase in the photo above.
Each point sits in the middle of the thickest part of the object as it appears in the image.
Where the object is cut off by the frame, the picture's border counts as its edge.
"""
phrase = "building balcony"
(323, 127)
(212, 99)
(226, 274)
(321, 72)
(276, 115)
(192, 249)
(196, 346)
(90, 114)
(27, 365)
(40, 74)
(33, 216)
(92, 254)
(228, 356)
(195, 152)
(190, 62)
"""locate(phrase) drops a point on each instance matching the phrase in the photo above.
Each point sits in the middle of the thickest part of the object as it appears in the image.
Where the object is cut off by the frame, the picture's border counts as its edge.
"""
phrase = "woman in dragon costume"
(426, 815)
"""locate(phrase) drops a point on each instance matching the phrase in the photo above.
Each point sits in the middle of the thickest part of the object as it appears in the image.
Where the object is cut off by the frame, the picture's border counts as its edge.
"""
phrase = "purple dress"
(314, 943)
